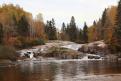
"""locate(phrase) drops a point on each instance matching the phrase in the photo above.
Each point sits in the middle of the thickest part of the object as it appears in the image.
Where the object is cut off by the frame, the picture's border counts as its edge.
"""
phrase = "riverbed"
(62, 70)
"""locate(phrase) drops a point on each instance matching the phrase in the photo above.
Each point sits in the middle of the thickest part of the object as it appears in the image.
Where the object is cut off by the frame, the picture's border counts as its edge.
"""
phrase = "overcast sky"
(62, 10)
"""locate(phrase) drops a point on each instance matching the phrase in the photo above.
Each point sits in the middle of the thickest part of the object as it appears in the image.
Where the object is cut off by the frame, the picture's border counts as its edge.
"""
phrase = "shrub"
(38, 42)
(22, 42)
(7, 52)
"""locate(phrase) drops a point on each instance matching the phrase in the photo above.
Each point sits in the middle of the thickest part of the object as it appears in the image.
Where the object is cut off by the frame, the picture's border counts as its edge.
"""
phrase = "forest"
(19, 29)
(52, 46)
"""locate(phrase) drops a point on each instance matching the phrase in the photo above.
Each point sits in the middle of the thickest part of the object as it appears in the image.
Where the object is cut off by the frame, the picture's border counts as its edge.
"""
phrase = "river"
(62, 70)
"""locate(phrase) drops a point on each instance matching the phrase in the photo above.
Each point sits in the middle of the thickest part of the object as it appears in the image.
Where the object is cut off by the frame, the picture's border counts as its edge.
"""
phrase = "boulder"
(63, 53)
(98, 47)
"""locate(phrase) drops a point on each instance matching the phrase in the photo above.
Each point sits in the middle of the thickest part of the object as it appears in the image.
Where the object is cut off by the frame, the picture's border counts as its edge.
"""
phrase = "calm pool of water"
(58, 70)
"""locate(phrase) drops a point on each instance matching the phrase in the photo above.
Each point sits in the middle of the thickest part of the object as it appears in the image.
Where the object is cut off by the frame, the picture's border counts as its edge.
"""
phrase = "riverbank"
(52, 49)
(57, 49)
(68, 50)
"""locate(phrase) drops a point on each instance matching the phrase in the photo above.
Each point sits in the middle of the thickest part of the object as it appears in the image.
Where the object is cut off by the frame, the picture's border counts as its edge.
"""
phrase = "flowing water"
(62, 70)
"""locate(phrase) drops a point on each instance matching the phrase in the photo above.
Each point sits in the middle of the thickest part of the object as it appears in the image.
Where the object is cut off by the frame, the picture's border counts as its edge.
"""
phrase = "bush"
(38, 42)
(8, 53)
(57, 51)
(22, 42)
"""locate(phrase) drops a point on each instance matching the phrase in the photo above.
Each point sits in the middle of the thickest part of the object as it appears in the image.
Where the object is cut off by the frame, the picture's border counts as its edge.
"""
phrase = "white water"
(69, 45)
(73, 46)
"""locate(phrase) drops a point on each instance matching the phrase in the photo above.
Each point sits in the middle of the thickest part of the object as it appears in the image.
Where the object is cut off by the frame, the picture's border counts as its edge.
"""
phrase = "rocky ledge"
(63, 53)
(98, 48)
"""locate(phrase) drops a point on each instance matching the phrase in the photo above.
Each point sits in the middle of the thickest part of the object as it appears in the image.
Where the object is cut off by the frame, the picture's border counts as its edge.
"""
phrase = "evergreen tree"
(54, 31)
(68, 29)
(94, 31)
(64, 34)
(63, 29)
(116, 39)
(47, 28)
(85, 33)
(103, 22)
(73, 30)
(23, 27)
(80, 35)
(50, 30)
(1, 33)
(94, 23)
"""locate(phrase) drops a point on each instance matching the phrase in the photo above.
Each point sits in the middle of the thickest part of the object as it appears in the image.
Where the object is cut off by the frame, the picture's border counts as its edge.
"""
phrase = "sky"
(62, 10)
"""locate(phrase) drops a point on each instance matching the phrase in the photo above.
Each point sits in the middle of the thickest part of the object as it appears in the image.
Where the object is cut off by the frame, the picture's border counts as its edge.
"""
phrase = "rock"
(58, 49)
(91, 56)
(98, 47)
(63, 53)
(111, 57)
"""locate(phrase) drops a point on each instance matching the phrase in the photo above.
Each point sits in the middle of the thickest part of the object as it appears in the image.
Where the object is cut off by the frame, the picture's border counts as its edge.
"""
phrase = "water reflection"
(57, 71)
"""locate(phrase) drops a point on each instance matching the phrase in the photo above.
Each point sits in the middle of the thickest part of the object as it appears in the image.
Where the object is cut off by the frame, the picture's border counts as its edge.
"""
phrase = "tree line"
(69, 32)
(19, 29)
(107, 28)
(72, 33)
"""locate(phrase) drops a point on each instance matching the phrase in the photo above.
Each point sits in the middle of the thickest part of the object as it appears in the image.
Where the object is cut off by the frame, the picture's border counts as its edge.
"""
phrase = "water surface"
(61, 70)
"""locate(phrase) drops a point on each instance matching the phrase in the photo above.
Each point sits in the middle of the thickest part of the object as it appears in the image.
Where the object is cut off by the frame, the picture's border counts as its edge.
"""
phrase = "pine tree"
(116, 39)
(94, 31)
(23, 27)
(103, 22)
(80, 35)
(54, 31)
(85, 33)
(73, 30)
(94, 23)
(50, 30)
(63, 29)
(64, 34)
(47, 29)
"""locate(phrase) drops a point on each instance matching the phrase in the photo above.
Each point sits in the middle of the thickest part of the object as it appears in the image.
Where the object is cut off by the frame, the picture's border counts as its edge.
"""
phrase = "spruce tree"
(116, 39)
(50, 30)
(73, 30)
(103, 22)
(47, 29)
(80, 35)
(54, 31)
(63, 29)
(85, 33)
(94, 23)
(23, 27)
(64, 34)
(95, 31)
